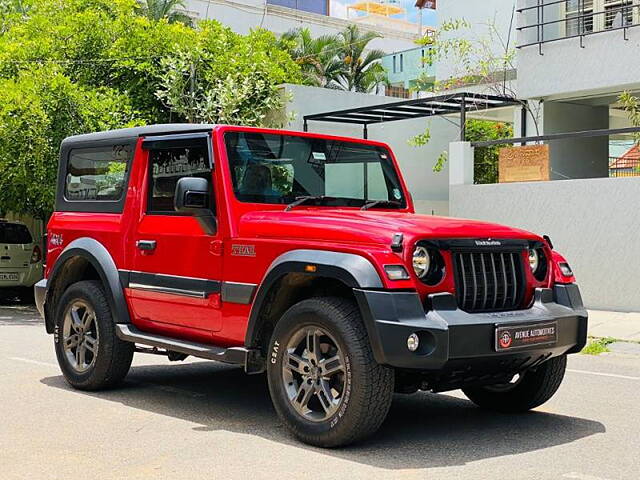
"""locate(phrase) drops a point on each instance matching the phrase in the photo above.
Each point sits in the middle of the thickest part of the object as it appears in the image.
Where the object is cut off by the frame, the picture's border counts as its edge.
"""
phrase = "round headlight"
(534, 259)
(421, 261)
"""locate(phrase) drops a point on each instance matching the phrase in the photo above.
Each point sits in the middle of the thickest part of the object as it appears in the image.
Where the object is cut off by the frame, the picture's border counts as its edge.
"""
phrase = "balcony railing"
(543, 21)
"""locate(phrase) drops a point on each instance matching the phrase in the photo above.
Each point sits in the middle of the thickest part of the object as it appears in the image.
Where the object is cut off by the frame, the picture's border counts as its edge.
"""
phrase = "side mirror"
(192, 198)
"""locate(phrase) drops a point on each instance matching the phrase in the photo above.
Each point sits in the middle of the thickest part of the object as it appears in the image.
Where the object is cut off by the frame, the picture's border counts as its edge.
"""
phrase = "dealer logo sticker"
(505, 340)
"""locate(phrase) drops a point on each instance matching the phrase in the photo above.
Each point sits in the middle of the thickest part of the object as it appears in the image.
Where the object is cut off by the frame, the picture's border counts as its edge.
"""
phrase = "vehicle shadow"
(421, 431)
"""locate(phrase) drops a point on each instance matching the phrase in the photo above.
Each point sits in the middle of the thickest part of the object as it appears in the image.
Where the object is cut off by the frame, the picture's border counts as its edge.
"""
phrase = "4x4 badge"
(243, 250)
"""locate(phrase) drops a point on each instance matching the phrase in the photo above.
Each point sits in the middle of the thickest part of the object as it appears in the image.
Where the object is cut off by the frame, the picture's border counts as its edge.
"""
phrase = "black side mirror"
(192, 198)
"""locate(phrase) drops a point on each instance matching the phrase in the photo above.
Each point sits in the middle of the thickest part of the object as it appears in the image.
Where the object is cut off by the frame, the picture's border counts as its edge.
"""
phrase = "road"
(200, 419)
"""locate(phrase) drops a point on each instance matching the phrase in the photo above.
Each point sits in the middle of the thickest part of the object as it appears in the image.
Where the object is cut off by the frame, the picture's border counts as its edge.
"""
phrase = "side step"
(249, 358)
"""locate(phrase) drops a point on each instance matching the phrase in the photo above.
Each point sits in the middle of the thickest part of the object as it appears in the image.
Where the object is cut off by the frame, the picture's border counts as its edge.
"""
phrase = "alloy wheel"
(313, 370)
(80, 336)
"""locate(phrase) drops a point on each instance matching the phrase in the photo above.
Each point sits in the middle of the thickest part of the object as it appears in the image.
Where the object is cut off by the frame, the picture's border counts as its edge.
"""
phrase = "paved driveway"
(199, 419)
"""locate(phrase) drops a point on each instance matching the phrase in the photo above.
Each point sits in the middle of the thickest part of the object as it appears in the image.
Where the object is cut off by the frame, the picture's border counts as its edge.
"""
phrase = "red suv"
(301, 255)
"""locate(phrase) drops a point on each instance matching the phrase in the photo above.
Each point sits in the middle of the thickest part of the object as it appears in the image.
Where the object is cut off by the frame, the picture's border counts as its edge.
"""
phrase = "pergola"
(454, 103)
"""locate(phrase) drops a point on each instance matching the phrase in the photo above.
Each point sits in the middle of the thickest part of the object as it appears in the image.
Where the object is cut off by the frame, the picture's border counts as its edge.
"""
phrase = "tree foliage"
(38, 109)
(341, 61)
(75, 66)
(165, 9)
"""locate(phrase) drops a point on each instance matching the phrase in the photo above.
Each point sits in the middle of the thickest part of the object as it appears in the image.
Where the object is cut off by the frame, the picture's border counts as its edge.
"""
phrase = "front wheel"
(529, 390)
(90, 354)
(324, 382)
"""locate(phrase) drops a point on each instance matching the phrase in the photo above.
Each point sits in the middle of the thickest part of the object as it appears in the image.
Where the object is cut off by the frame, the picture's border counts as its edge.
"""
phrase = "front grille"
(488, 281)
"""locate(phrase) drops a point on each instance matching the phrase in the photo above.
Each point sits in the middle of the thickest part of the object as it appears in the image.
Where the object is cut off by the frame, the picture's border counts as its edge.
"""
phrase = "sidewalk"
(619, 325)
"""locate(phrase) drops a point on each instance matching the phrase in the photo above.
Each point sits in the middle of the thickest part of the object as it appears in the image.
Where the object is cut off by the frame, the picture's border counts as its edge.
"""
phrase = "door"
(175, 280)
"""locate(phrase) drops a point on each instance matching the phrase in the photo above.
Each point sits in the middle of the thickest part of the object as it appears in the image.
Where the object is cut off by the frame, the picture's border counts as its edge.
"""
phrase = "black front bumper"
(452, 340)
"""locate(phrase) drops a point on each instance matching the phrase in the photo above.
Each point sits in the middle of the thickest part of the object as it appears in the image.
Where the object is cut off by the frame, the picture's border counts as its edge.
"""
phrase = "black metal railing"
(573, 19)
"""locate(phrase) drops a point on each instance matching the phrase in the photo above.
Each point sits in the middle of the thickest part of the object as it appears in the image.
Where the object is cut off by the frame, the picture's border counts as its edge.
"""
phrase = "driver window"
(166, 167)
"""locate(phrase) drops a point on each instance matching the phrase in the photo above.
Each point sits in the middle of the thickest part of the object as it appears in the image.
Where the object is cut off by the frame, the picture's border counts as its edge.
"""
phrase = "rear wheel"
(90, 354)
(324, 382)
(529, 390)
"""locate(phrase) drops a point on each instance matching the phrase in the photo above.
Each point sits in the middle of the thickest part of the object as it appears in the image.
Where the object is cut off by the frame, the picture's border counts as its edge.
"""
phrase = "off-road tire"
(368, 387)
(535, 388)
(113, 357)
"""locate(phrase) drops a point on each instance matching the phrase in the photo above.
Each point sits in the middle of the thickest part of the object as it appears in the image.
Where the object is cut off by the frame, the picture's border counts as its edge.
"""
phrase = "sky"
(339, 9)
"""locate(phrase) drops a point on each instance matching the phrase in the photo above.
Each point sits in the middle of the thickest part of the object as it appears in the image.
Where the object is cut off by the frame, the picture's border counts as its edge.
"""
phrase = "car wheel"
(324, 382)
(530, 389)
(90, 354)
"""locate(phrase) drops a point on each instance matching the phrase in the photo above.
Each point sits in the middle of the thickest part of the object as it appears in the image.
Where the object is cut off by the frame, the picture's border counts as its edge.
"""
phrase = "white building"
(244, 15)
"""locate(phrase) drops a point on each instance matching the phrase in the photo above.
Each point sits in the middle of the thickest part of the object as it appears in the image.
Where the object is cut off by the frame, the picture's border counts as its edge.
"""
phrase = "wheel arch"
(289, 280)
(85, 258)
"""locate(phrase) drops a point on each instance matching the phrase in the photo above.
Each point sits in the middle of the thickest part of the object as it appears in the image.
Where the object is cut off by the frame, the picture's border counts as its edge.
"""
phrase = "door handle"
(146, 245)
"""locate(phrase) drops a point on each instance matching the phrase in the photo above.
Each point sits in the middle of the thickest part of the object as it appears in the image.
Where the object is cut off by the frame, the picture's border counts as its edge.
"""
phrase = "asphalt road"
(205, 420)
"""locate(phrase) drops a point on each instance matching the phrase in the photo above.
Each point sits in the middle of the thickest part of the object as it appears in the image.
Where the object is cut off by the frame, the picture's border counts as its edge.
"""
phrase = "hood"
(369, 227)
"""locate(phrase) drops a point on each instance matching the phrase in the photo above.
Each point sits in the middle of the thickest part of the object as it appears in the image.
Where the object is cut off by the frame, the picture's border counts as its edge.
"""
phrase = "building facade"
(281, 16)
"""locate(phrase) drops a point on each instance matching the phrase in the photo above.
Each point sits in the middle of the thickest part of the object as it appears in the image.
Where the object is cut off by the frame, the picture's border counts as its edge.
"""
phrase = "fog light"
(413, 342)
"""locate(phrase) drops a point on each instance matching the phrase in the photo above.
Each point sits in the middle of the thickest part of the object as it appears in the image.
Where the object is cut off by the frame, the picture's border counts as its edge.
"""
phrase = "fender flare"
(353, 270)
(100, 259)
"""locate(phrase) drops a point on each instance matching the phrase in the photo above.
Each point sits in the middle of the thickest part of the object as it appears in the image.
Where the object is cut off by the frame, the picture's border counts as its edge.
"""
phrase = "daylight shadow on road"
(422, 430)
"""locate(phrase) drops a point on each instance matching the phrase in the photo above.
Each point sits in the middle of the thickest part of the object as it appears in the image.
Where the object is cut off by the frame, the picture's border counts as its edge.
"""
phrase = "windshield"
(15, 233)
(278, 169)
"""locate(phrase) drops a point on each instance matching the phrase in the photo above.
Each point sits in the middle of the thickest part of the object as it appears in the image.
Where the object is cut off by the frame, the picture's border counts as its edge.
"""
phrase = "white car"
(20, 260)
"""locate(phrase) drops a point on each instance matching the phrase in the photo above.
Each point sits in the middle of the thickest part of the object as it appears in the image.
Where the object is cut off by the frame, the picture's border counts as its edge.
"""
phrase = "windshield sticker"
(319, 156)
(396, 194)
(383, 156)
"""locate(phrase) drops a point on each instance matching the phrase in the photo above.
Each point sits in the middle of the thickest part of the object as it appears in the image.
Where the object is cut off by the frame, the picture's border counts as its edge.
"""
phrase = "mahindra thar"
(300, 255)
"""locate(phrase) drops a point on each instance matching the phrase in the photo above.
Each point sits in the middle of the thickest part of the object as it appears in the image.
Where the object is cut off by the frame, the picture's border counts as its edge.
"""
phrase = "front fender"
(353, 270)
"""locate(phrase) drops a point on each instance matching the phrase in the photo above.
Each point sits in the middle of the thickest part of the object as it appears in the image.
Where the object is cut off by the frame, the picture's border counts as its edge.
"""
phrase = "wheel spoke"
(313, 344)
(304, 394)
(296, 363)
(76, 322)
(70, 342)
(87, 318)
(90, 343)
(326, 397)
(77, 355)
(331, 366)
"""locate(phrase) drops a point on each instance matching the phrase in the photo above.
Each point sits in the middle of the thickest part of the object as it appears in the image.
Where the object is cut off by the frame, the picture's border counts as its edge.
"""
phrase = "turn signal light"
(396, 272)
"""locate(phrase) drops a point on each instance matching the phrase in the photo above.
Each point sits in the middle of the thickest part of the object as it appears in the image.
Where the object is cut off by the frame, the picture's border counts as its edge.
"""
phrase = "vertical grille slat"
(488, 281)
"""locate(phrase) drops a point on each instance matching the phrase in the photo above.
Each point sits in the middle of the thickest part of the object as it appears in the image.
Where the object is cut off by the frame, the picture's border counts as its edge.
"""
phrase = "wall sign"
(529, 163)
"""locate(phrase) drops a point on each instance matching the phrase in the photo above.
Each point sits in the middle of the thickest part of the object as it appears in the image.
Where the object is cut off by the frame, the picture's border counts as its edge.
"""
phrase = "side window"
(97, 174)
(169, 165)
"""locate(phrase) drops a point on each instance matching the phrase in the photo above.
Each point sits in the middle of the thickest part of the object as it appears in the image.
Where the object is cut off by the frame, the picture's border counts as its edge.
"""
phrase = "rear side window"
(14, 233)
(170, 165)
(97, 174)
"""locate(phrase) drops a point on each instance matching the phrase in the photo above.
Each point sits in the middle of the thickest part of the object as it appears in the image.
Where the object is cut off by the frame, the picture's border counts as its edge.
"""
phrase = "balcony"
(544, 21)
(573, 49)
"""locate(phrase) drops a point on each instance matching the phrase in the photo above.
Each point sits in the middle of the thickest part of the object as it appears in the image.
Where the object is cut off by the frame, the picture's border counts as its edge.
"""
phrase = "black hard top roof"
(131, 133)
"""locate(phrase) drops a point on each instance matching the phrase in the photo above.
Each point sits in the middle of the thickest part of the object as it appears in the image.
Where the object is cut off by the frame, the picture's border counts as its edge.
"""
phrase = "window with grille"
(587, 16)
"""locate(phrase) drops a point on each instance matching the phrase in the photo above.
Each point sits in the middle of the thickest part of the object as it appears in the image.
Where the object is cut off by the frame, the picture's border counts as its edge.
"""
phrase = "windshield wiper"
(375, 203)
(304, 199)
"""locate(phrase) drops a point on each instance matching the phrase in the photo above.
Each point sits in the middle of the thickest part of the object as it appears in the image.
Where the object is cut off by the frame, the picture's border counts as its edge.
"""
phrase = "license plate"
(511, 337)
(11, 277)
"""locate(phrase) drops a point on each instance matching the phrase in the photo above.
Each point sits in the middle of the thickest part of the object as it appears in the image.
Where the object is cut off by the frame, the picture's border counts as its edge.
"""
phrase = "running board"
(250, 359)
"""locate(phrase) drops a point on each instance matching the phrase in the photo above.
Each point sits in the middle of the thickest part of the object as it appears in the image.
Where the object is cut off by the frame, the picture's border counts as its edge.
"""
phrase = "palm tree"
(317, 57)
(159, 9)
(363, 70)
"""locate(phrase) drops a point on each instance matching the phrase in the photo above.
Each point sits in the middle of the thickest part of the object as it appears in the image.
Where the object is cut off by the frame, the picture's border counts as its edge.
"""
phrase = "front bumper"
(453, 340)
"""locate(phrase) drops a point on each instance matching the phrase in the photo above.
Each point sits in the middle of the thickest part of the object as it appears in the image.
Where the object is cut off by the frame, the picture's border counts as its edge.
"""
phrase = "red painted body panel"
(183, 248)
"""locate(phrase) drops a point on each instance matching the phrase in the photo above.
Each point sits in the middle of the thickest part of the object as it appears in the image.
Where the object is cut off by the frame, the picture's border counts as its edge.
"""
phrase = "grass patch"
(596, 346)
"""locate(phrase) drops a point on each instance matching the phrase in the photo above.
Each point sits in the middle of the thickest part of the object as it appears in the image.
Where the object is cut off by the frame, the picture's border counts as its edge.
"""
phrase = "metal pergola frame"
(461, 103)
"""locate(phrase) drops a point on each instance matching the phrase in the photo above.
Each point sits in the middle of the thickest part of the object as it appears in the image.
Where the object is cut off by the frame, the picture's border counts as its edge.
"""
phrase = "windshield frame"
(352, 203)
